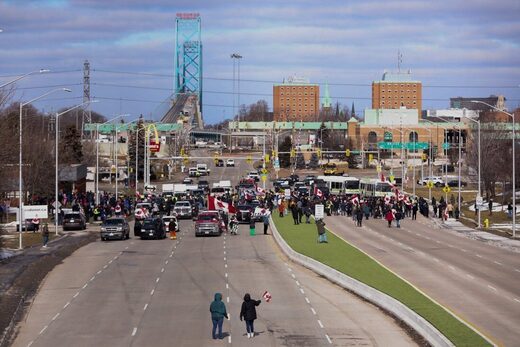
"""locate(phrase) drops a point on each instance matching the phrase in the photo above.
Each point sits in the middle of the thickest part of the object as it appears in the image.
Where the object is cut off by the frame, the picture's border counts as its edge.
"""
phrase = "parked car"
(455, 183)
(230, 162)
(203, 184)
(183, 209)
(254, 175)
(437, 181)
(193, 172)
(74, 220)
(219, 163)
(209, 223)
(187, 180)
(115, 228)
(153, 228)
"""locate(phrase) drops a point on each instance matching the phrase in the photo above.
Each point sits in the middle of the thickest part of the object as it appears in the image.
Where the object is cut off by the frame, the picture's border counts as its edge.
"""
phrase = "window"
(382, 102)
(372, 137)
(413, 137)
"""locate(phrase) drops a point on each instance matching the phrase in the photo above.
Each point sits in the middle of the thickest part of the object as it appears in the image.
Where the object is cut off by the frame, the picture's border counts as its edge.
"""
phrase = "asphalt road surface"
(157, 293)
(477, 281)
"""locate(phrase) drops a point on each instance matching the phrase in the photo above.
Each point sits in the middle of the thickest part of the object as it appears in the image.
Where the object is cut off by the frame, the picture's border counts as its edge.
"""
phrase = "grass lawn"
(352, 262)
(29, 239)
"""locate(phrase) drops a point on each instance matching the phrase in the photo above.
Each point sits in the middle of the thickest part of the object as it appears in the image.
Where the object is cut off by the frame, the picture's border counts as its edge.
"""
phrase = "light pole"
(23, 76)
(56, 162)
(117, 155)
(97, 154)
(431, 152)
(514, 159)
(479, 167)
(415, 135)
(20, 184)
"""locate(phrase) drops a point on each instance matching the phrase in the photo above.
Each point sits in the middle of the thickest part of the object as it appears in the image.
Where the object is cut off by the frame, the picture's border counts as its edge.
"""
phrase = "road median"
(349, 267)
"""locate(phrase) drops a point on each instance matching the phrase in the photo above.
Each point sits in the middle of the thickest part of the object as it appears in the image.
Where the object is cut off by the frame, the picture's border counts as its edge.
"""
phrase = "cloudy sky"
(455, 47)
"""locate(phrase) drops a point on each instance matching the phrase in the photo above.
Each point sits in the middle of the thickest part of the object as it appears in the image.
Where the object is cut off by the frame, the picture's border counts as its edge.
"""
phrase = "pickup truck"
(209, 223)
(193, 172)
(203, 169)
(183, 209)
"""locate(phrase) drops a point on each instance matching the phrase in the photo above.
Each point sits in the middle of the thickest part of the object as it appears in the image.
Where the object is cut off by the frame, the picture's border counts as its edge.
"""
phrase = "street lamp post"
(23, 76)
(116, 157)
(514, 159)
(97, 154)
(479, 167)
(56, 162)
(20, 184)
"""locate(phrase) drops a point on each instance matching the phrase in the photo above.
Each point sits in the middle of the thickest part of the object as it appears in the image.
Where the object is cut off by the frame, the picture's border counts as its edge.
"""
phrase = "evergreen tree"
(314, 162)
(285, 146)
(71, 149)
(300, 160)
(132, 151)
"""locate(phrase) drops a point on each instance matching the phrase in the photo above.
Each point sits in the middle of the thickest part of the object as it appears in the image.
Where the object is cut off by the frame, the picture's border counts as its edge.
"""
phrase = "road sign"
(391, 178)
(319, 210)
(379, 168)
(370, 157)
(35, 211)
(287, 193)
(264, 171)
(479, 200)
(446, 189)
(263, 177)
(429, 184)
(267, 158)
(401, 145)
(445, 145)
(150, 188)
(347, 152)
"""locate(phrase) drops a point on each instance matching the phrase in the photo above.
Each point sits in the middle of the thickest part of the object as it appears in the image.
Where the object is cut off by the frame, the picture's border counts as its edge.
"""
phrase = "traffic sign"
(429, 184)
(319, 210)
(347, 152)
(446, 189)
(401, 145)
(479, 200)
(370, 157)
(263, 177)
(264, 171)
(445, 145)
(379, 168)
(267, 158)
(391, 178)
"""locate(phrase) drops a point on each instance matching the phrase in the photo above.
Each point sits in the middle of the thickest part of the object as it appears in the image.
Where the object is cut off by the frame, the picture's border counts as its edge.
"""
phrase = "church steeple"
(326, 101)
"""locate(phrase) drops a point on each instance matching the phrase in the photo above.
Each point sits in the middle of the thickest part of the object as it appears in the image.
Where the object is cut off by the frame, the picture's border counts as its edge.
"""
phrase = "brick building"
(397, 90)
(296, 99)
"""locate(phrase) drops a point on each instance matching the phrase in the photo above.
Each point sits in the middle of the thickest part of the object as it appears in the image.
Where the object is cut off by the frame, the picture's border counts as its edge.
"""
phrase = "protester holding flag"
(248, 313)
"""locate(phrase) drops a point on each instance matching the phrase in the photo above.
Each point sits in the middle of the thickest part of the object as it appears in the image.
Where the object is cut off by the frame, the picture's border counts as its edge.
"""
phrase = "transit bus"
(341, 184)
(375, 187)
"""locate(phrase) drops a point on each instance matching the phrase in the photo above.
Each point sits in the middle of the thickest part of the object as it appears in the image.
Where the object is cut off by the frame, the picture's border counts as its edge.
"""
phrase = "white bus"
(375, 187)
(341, 184)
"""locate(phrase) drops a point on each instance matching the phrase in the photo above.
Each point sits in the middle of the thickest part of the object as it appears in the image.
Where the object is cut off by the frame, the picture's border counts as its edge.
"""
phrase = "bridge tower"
(188, 55)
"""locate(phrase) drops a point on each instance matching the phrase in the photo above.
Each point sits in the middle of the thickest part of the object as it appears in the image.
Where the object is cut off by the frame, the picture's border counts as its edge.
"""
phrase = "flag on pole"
(355, 199)
(217, 204)
(267, 296)
(318, 192)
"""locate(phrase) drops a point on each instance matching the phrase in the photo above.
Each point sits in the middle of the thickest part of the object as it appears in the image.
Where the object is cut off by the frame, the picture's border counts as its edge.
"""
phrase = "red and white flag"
(217, 204)
(260, 190)
(400, 197)
(267, 296)
(318, 192)
(355, 199)
(387, 199)
(382, 177)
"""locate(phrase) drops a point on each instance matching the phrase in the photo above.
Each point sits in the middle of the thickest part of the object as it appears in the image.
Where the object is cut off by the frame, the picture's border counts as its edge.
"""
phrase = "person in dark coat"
(359, 217)
(248, 313)
(218, 312)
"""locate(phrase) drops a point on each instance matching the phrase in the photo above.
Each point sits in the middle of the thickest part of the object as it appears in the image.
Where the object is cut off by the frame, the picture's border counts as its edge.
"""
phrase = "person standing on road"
(415, 207)
(265, 219)
(389, 216)
(359, 217)
(218, 312)
(45, 235)
(248, 313)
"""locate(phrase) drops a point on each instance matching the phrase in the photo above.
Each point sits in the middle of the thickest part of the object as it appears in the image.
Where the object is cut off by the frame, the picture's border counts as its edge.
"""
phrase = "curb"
(415, 321)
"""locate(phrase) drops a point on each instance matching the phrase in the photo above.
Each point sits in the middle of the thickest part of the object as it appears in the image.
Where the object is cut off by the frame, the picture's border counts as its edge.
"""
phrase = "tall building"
(296, 99)
(497, 101)
(397, 90)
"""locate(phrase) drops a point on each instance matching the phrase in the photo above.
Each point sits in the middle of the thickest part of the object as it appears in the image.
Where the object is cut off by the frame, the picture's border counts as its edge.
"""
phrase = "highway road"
(477, 281)
(157, 293)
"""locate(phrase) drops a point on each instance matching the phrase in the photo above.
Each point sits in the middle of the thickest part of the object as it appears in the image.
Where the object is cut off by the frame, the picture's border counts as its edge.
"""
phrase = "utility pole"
(87, 113)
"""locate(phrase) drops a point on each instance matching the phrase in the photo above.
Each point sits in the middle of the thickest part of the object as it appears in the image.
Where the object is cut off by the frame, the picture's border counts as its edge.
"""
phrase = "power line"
(51, 86)
(330, 84)
(49, 72)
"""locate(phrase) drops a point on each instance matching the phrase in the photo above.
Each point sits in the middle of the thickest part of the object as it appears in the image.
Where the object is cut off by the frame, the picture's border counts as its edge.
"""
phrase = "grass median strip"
(347, 259)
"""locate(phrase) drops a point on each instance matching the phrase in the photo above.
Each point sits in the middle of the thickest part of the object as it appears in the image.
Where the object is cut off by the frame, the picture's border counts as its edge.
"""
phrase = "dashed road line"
(451, 268)
(84, 286)
(157, 280)
(55, 316)
(153, 291)
(307, 299)
(321, 324)
(66, 305)
(297, 283)
(497, 262)
(328, 339)
(313, 311)
(470, 277)
(75, 295)
(134, 331)
(145, 307)
(227, 299)
(162, 270)
(302, 291)
(92, 278)
(492, 288)
(99, 272)
(44, 328)
(478, 255)
(517, 300)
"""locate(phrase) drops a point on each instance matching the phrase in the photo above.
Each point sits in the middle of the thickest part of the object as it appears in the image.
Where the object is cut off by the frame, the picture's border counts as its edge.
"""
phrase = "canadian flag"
(216, 204)
(400, 197)
(382, 177)
(387, 199)
(318, 192)
(355, 199)
(267, 296)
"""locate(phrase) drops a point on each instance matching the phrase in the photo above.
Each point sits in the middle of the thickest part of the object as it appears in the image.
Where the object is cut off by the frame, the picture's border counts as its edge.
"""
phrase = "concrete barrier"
(412, 319)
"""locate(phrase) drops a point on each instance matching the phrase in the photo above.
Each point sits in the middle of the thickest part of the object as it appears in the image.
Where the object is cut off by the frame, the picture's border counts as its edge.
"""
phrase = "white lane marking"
(157, 280)
(225, 265)
(478, 255)
(85, 286)
(226, 274)
(92, 278)
(492, 288)
(224, 246)
(145, 307)
(111, 260)
(497, 262)
(134, 331)
(427, 238)
(290, 270)
(517, 300)
(227, 286)
(115, 258)
(162, 270)
(56, 316)
(75, 295)
(166, 262)
(517, 270)
(227, 299)
(451, 268)
(30, 343)
(307, 299)
(470, 277)
(293, 276)
(153, 291)
(171, 255)
(99, 272)
(229, 339)
(313, 311)
(437, 241)
(297, 283)
(415, 234)
(225, 259)
(126, 247)
(319, 322)
(224, 252)
(44, 328)
(437, 260)
(464, 250)
(104, 267)
(451, 246)
(67, 304)
(328, 339)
